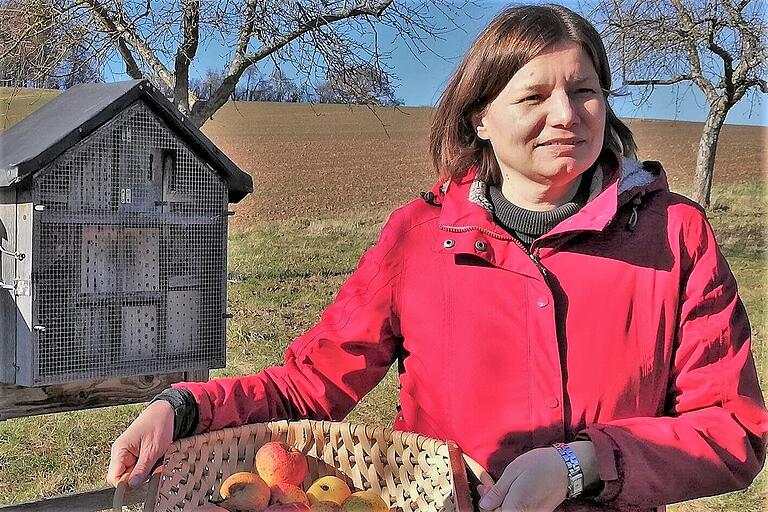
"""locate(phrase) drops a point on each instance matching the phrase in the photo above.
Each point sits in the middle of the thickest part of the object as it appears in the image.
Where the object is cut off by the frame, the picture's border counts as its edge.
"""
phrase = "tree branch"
(202, 111)
(246, 29)
(671, 81)
(757, 82)
(186, 53)
(312, 24)
(693, 55)
(114, 27)
(131, 66)
(726, 58)
(753, 51)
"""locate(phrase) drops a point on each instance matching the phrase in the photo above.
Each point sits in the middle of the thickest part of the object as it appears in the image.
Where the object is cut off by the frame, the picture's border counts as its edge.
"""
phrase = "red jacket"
(624, 325)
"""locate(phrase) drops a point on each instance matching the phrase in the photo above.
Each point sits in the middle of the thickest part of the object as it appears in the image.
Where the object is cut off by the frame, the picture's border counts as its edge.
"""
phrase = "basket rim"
(369, 430)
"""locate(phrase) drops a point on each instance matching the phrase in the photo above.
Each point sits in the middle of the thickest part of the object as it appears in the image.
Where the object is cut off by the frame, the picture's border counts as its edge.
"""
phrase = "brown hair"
(517, 35)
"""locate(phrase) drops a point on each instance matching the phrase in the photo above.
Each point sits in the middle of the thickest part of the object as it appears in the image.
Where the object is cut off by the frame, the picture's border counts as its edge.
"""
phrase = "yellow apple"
(325, 506)
(364, 501)
(328, 488)
(244, 492)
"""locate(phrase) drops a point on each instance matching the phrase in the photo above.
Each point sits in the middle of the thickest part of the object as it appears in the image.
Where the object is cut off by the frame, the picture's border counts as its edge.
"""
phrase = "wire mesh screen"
(130, 267)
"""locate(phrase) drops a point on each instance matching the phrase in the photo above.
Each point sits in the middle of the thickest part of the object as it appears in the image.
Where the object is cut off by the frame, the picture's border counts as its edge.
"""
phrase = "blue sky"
(420, 81)
(421, 84)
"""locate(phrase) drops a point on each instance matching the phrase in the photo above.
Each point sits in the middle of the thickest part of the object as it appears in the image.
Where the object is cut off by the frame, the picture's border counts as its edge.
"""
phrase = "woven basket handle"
(460, 463)
(119, 497)
(478, 470)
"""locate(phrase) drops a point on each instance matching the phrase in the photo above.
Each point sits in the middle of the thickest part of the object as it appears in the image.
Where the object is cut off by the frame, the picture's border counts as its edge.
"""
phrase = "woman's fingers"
(536, 480)
(147, 458)
(121, 460)
(494, 495)
(142, 444)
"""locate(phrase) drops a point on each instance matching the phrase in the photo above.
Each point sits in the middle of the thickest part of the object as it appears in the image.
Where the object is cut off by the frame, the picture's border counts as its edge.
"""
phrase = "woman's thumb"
(141, 470)
(492, 498)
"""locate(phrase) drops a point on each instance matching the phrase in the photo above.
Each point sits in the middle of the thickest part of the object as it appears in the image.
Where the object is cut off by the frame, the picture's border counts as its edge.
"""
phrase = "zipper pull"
(535, 257)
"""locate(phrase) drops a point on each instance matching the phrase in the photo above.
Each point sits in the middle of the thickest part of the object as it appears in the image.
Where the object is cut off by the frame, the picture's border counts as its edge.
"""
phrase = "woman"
(553, 308)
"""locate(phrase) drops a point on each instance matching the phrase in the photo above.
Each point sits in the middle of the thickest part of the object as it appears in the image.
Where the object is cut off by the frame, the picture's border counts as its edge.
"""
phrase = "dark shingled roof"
(48, 132)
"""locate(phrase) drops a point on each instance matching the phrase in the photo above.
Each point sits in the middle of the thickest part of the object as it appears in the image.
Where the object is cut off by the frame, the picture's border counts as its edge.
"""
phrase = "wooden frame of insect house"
(113, 213)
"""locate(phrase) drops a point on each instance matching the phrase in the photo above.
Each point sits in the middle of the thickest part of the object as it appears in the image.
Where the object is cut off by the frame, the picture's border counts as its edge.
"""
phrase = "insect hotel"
(113, 223)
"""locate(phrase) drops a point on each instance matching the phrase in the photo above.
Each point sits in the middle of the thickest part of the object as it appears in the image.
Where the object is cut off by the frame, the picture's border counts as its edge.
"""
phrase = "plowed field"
(326, 160)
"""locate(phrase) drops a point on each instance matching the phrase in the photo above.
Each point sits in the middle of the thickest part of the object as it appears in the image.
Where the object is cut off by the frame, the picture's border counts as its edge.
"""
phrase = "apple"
(325, 506)
(287, 493)
(277, 463)
(244, 492)
(364, 501)
(328, 488)
(288, 507)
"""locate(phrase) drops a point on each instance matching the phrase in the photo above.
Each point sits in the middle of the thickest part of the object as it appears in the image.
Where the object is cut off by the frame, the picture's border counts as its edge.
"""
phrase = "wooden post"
(19, 401)
(90, 501)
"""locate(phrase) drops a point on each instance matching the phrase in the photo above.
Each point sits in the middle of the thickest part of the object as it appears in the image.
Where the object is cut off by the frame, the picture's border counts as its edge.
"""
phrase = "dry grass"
(16, 104)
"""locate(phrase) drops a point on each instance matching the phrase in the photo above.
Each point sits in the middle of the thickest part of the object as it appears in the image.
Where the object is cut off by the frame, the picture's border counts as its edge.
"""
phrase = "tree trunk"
(705, 160)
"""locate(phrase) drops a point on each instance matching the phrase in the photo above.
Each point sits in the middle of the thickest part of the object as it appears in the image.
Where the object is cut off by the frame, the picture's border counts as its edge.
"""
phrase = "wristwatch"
(575, 475)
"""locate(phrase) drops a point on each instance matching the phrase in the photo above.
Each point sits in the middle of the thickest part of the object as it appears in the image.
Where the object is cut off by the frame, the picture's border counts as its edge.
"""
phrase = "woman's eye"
(532, 97)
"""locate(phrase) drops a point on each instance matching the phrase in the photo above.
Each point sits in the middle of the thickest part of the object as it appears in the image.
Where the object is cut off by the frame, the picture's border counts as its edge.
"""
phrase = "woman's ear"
(478, 126)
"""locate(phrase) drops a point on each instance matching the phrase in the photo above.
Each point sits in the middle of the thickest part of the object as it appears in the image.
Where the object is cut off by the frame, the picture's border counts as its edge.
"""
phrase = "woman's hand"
(535, 481)
(538, 480)
(142, 444)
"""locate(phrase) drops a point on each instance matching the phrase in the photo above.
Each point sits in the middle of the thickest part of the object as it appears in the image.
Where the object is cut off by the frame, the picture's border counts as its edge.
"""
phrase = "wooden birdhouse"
(113, 224)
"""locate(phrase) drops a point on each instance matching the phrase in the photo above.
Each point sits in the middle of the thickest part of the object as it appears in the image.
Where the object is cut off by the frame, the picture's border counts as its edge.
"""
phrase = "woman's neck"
(535, 196)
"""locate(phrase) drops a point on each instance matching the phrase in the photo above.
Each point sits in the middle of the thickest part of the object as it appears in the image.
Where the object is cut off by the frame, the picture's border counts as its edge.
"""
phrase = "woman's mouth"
(560, 143)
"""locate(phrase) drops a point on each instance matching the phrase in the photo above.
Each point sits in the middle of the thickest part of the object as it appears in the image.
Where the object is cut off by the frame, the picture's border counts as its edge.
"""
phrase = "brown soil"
(327, 160)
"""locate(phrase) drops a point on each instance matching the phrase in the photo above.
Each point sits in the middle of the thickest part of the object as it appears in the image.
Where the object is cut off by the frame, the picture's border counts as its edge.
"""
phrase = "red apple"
(277, 463)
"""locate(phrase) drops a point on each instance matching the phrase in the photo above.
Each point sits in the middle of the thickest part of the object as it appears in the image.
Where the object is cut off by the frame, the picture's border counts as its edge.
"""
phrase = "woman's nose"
(563, 110)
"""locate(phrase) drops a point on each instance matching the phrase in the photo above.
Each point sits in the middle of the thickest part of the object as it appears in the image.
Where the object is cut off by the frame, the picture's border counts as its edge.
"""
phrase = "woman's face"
(548, 122)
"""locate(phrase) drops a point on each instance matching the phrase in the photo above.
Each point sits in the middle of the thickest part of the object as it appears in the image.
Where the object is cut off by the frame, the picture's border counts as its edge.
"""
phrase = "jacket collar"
(465, 206)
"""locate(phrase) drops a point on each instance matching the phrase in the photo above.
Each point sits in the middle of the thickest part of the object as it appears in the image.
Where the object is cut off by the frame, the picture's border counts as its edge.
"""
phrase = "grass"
(738, 216)
(16, 104)
(282, 274)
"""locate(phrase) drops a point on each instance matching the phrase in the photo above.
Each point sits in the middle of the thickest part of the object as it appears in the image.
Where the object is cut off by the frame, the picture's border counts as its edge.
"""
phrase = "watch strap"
(575, 474)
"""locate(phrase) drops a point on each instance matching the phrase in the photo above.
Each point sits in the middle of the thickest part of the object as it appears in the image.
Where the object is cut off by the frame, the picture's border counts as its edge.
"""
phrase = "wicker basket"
(410, 471)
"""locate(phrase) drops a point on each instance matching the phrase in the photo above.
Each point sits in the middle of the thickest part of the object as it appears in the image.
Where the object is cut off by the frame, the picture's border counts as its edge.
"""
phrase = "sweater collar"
(465, 205)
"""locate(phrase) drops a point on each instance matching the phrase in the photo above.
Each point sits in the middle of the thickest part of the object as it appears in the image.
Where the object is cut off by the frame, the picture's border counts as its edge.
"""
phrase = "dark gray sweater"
(528, 225)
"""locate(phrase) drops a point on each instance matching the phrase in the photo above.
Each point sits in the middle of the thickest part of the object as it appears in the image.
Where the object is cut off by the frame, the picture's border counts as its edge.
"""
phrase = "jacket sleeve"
(712, 438)
(328, 369)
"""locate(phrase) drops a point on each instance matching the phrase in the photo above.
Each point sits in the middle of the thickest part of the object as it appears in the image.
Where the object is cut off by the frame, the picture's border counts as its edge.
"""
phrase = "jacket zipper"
(533, 255)
(490, 233)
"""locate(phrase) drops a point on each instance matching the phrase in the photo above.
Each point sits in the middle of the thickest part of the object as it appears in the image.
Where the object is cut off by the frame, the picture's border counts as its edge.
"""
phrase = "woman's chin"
(564, 167)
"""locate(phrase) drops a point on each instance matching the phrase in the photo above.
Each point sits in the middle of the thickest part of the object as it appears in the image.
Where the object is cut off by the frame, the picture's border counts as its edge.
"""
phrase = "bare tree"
(717, 45)
(203, 87)
(43, 43)
(363, 84)
(160, 40)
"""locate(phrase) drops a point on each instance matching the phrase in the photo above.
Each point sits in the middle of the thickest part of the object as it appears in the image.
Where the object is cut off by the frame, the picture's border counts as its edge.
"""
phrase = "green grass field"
(16, 104)
(283, 274)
